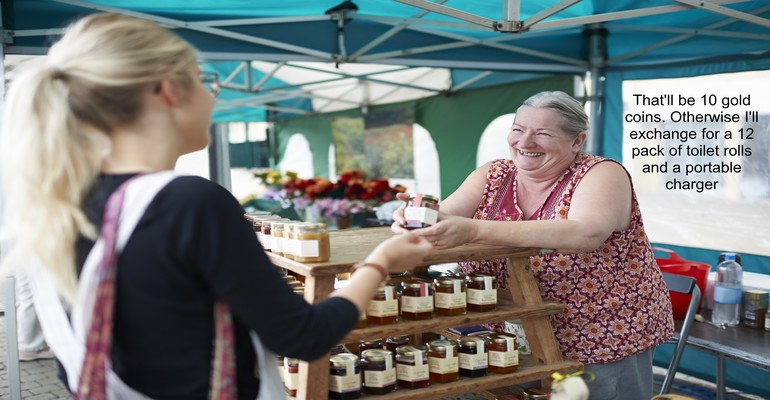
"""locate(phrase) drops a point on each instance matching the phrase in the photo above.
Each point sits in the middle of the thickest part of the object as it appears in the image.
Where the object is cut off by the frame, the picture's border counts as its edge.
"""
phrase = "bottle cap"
(729, 256)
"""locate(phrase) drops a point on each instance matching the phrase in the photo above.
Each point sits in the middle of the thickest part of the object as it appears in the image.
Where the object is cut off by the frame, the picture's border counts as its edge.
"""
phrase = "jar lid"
(535, 394)
(376, 355)
(755, 294)
(471, 341)
(424, 197)
(500, 337)
(373, 342)
(442, 345)
(398, 338)
(310, 227)
(416, 284)
(343, 359)
(448, 280)
(409, 351)
(480, 277)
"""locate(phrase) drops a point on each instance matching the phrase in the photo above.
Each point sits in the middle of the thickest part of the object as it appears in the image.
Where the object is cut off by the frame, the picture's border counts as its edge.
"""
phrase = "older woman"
(551, 195)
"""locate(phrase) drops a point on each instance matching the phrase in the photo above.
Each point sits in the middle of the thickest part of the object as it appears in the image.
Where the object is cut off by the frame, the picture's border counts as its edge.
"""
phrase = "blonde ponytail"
(55, 131)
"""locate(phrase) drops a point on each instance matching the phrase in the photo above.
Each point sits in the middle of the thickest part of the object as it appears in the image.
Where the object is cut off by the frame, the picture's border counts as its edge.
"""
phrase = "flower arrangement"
(352, 193)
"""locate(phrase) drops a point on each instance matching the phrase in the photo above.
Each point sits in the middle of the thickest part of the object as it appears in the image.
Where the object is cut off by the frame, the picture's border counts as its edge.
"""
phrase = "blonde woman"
(116, 98)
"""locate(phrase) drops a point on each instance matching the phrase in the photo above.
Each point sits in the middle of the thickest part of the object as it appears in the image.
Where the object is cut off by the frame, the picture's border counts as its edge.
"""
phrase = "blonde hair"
(56, 124)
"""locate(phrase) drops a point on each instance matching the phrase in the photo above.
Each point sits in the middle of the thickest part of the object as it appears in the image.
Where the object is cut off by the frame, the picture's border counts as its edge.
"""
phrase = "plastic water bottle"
(728, 291)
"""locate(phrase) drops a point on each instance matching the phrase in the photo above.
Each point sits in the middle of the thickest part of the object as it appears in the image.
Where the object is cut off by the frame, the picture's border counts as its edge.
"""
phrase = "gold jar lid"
(500, 338)
(372, 342)
(755, 294)
(448, 280)
(425, 197)
(398, 338)
(481, 277)
(376, 355)
(409, 350)
(310, 227)
(416, 284)
(442, 345)
(343, 359)
(471, 341)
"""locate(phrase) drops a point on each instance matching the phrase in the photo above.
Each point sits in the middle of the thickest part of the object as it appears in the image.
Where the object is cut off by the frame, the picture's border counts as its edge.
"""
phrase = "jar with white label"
(276, 237)
(344, 376)
(421, 211)
(474, 360)
(412, 370)
(313, 243)
(503, 353)
(291, 375)
(416, 299)
(450, 295)
(443, 361)
(383, 309)
(482, 292)
(379, 371)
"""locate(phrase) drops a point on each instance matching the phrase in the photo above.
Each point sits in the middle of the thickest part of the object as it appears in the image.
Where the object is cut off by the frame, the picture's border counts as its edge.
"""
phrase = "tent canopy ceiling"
(295, 57)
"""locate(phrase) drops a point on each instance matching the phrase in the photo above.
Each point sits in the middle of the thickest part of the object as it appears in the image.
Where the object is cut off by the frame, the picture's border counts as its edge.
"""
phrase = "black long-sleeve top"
(191, 247)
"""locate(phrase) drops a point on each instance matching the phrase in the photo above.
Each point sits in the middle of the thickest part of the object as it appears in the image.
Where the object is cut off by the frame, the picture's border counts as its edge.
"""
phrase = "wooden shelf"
(504, 312)
(521, 301)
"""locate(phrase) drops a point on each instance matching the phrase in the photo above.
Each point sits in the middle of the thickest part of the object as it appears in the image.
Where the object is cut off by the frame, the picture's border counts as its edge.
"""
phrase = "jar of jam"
(412, 369)
(393, 342)
(416, 299)
(755, 308)
(421, 211)
(474, 360)
(503, 353)
(344, 376)
(289, 239)
(443, 361)
(379, 371)
(482, 292)
(383, 309)
(450, 295)
(257, 226)
(276, 237)
(291, 375)
(313, 243)
(369, 344)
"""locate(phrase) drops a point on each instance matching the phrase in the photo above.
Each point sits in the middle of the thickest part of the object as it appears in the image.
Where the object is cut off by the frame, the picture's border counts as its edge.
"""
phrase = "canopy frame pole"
(597, 55)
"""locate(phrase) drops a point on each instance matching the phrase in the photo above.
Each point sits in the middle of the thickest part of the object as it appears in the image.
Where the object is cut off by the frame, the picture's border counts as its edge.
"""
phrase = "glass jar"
(482, 292)
(503, 353)
(443, 362)
(421, 211)
(276, 237)
(394, 342)
(412, 370)
(755, 308)
(379, 371)
(344, 376)
(474, 361)
(257, 226)
(364, 345)
(361, 321)
(416, 299)
(450, 295)
(313, 243)
(291, 375)
(289, 239)
(383, 309)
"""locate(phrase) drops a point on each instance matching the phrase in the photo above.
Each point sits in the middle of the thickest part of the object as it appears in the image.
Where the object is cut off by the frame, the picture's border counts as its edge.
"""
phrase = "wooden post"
(315, 374)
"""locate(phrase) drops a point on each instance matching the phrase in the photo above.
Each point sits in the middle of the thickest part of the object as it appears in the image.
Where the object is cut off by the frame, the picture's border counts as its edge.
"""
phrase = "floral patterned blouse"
(616, 303)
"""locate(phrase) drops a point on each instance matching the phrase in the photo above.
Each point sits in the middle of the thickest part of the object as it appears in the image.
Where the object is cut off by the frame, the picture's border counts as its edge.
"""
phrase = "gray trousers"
(627, 379)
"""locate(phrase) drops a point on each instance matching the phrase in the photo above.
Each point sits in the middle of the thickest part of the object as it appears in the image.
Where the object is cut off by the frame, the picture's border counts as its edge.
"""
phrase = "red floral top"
(616, 301)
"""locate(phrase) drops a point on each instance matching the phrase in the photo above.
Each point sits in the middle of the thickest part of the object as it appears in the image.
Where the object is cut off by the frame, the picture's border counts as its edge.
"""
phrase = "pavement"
(38, 378)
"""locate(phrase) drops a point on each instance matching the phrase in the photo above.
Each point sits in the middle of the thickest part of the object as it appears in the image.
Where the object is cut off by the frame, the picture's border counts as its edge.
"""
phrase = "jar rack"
(523, 303)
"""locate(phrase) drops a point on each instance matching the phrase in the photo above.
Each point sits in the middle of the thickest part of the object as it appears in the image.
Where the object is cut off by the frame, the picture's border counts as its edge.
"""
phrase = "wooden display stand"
(351, 246)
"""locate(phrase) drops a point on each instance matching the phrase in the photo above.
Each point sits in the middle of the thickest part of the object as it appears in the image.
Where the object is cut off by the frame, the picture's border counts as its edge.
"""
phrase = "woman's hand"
(450, 231)
(399, 221)
(401, 252)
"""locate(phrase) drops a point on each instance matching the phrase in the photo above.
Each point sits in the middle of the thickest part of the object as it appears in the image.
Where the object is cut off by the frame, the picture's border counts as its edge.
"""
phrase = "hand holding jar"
(401, 252)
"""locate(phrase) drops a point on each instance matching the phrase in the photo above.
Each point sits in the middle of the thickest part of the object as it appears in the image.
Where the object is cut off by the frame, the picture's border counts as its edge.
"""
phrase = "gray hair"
(574, 117)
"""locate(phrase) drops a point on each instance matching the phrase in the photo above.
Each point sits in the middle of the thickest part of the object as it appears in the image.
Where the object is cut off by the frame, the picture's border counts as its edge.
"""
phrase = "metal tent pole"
(597, 55)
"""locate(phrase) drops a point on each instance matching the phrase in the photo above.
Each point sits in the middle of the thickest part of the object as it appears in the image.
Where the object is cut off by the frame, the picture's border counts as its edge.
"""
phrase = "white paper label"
(412, 373)
(276, 244)
(473, 361)
(423, 215)
(450, 300)
(344, 384)
(292, 381)
(382, 308)
(290, 246)
(443, 365)
(307, 248)
(504, 358)
(482, 297)
(416, 304)
(380, 378)
(261, 238)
